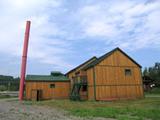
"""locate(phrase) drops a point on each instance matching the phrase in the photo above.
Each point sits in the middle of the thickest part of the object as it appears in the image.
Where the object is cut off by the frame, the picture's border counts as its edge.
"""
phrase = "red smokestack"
(24, 60)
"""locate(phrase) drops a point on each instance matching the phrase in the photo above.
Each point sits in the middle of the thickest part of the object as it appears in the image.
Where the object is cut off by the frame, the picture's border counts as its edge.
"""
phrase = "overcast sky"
(65, 33)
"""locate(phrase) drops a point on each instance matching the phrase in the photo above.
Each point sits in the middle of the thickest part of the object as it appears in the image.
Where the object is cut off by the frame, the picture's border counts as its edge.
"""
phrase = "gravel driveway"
(14, 110)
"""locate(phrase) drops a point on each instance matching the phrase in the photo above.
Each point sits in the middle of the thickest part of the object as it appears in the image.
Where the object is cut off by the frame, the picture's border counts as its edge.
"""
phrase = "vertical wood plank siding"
(90, 84)
(111, 81)
(61, 90)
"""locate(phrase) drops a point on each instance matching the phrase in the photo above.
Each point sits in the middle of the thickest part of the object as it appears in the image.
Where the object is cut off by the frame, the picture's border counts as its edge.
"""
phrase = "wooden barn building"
(54, 86)
(112, 76)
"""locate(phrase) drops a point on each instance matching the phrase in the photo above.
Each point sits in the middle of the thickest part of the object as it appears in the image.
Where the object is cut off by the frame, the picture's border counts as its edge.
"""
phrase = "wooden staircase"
(77, 86)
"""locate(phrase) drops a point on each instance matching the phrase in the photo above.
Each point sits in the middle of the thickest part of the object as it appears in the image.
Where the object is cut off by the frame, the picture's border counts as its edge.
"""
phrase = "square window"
(128, 72)
(52, 85)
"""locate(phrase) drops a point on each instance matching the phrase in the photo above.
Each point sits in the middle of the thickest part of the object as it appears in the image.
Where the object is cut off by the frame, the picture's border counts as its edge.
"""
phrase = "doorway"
(36, 95)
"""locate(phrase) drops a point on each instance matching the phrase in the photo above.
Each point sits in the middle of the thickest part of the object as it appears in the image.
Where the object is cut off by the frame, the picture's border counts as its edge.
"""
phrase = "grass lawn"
(5, 96)
(147, 108)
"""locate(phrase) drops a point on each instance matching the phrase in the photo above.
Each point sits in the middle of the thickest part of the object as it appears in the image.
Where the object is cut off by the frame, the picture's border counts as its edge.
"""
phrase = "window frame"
(128, 72)
(52, 85)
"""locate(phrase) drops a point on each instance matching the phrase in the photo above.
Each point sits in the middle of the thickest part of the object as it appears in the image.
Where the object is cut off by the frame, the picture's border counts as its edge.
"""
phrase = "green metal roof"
(52, 78)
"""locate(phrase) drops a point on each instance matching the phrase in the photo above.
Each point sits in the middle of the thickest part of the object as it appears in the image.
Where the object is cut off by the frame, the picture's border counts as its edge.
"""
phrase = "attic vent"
(56, 73)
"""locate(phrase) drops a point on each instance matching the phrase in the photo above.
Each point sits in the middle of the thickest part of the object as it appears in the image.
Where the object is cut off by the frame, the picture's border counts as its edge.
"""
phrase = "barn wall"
(61, 89)
(118, 59)
(70, 75)
(79, 69)
(111, 81)
(90, 80)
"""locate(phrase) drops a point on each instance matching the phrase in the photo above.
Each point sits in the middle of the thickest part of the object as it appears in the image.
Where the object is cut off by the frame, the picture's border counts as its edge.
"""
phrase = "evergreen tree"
(153, 73)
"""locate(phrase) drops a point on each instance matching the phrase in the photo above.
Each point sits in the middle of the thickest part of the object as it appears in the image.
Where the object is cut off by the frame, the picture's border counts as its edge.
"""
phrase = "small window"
(52, 85)
(128, 72)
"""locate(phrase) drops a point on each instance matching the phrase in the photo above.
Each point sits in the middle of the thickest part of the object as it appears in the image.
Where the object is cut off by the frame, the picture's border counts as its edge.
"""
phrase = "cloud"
(42, 47)
(128, 24)
(62, 31)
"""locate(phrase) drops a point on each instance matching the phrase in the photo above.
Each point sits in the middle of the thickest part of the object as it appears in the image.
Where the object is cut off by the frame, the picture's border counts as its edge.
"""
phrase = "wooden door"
(34, 95)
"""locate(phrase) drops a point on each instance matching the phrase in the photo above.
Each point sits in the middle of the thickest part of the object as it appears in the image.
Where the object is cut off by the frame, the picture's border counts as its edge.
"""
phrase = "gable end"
(107, 55)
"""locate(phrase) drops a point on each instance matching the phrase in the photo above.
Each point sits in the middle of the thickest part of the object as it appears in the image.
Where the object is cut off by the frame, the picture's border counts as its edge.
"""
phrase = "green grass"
(148, 108)
(155, 90)
(5, 96)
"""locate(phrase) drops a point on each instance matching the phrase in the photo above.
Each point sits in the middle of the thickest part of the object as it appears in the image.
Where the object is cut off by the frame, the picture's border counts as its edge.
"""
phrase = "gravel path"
(14, 110)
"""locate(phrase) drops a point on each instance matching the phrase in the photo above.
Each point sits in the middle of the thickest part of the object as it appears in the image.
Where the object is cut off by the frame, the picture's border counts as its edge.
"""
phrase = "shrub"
(3, 88)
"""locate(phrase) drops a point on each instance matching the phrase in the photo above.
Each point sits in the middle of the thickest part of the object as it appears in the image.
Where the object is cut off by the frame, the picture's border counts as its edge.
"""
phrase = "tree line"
(9, 83)
(153, 74)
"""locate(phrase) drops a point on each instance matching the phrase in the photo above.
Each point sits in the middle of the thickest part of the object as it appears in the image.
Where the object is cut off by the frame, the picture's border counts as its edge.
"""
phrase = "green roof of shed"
(47, 78)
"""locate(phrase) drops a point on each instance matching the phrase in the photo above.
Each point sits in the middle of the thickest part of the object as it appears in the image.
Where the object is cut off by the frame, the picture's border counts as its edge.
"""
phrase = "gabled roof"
(54, 77)
(91, 59)
(105, 56)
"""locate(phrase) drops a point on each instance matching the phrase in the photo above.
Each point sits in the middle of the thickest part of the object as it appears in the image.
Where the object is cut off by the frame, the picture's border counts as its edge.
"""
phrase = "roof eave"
(94, 57)
(47, 80)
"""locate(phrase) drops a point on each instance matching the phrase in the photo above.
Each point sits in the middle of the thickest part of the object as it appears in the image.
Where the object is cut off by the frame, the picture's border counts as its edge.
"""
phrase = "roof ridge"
(106, 55)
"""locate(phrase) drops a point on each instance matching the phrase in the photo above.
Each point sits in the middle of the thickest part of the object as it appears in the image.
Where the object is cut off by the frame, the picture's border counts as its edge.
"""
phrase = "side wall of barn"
(59, 91)
(111, 81)
(91, 87)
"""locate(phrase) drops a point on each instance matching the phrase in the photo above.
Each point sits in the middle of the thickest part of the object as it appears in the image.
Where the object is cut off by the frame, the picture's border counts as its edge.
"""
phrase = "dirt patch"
(14, 110)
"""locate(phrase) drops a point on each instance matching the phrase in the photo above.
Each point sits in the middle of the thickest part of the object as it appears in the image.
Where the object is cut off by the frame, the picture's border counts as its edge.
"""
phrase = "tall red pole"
(24, 60)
